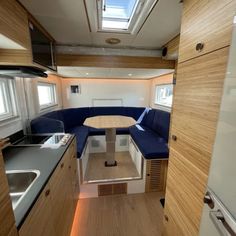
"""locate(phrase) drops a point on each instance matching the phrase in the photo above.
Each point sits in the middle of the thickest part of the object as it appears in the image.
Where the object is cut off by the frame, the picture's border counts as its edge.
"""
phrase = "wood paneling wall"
(198, 91)
(114, 61)
(172, 48)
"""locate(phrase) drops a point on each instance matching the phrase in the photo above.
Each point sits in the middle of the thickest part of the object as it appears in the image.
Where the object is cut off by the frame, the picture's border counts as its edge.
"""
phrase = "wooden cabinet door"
(58, 196)
(14, 25)
(7, 220)
(195, 113)
(40, 219)
(206, 22)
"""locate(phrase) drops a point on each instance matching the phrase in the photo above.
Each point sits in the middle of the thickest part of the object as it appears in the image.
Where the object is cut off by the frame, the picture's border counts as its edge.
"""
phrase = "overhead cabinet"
(206, 26)
(24, 42)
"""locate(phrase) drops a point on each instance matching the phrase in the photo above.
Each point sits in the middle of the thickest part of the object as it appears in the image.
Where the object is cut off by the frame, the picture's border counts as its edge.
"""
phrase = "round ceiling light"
(112, 41)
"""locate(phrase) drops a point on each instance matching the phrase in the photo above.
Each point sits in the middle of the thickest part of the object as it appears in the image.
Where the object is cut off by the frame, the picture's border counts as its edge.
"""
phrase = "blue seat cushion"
(94, 131)
(74, 117)
(161, 123)
(100, 111)
(46, 125)
(134, 112)
(151, 145)
(57, 115)
(81, 133)
(148, 119)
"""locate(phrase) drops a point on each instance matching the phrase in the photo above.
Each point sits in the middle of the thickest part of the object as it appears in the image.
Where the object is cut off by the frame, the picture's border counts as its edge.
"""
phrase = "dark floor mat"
(162, 200)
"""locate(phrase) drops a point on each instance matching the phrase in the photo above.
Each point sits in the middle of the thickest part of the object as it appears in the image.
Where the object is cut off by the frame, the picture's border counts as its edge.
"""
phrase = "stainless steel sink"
(20, 181)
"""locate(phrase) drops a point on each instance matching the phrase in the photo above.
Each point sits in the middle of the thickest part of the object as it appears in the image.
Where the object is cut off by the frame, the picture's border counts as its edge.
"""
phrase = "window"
(7, 99)
(117, 14)
(46, 95)
(164, 95)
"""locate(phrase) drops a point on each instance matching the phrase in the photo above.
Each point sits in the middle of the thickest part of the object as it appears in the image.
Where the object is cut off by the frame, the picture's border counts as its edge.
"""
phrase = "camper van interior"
(117, 118)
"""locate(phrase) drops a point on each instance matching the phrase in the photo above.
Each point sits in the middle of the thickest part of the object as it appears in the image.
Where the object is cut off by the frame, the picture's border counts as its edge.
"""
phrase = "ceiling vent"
(113, 41)
(123, 16)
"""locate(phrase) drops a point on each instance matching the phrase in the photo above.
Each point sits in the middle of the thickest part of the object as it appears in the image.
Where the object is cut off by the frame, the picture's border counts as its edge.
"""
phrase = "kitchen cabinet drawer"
(207, 24)
(40, 221)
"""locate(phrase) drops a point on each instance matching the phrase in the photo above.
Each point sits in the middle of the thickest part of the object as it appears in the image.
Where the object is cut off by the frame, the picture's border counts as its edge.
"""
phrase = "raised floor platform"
(97, 172)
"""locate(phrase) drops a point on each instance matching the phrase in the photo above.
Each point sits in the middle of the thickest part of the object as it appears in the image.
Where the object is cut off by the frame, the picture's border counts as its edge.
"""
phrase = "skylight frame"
(130, 21)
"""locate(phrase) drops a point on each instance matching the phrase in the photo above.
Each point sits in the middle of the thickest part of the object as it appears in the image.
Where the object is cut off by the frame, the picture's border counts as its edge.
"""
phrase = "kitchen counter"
(32, 158)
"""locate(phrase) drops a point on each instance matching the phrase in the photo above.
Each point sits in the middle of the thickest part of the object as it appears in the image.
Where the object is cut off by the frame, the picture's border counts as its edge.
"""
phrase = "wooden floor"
(97, 171)
(119, 215)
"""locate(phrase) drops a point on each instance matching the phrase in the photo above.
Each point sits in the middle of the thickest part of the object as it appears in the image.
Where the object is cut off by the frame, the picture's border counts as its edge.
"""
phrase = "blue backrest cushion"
(46, 125)
(134, 112)
(57, 115)
(161, 123)
(148, 119)
(75, 116)
(99, 111)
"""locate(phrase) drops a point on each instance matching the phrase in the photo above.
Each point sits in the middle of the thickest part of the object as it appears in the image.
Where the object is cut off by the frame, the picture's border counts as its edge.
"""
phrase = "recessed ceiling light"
(87, 73)
(129, 74)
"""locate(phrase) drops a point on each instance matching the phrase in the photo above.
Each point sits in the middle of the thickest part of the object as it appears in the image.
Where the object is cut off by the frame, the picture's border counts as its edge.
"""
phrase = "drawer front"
(206, 27)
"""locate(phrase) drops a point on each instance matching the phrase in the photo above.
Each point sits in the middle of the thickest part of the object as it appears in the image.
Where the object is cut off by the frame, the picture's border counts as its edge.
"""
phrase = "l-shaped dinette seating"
(150, 135)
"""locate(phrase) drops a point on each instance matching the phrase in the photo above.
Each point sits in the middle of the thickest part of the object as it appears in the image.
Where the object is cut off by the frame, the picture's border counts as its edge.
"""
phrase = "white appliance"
(219, 213)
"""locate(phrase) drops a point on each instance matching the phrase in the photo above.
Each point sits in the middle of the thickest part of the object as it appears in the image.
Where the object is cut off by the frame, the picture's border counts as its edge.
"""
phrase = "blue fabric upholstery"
(161, 123)
(100, 111)
(46, 125)
(81, 133)
(152, 142)
(75, 116)
(134, 112)
(148, 118)
(151, 145)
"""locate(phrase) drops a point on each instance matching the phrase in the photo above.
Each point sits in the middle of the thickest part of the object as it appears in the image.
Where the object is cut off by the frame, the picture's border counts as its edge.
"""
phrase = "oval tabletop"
(109, 122)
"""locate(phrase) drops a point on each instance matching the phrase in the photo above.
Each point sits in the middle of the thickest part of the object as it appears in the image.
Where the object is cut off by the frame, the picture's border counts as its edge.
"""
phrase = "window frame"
(53, 88)
(156, 95)
(9, 99)
(131, 21)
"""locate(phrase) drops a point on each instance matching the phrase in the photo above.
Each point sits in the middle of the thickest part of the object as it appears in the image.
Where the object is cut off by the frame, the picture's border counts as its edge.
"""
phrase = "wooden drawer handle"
(74, 156)
(47, 192)
(62, 165)
(166, 218)
(148, 174)
(69, 167)
(199, 47)
(174, 137)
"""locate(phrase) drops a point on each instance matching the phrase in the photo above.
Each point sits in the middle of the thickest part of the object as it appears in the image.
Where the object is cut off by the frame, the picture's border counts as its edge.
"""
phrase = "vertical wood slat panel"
(156, 175)
(195, 113)
(112, 189)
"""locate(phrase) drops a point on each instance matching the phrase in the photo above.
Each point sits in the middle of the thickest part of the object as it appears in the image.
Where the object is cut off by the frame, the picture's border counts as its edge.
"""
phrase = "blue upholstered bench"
(151, 136)
(152, 141)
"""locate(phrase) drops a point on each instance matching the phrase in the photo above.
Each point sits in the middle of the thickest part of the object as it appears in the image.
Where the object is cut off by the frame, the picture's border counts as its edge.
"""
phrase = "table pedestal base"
(111, 147)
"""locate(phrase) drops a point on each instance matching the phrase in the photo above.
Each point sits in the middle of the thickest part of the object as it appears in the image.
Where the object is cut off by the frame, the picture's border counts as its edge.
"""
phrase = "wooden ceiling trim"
(114, 61)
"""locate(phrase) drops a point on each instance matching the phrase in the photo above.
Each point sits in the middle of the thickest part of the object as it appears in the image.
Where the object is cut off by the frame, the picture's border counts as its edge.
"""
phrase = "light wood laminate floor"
(96, 169)
(119, 215)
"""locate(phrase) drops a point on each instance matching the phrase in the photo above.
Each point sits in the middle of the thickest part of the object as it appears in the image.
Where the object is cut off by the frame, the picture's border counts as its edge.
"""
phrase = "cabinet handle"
(47, 192)
(174, 137)
(199, 47)
(69, 167)
(62, 165)
(148, 174)
(74, 156)
(166, 218)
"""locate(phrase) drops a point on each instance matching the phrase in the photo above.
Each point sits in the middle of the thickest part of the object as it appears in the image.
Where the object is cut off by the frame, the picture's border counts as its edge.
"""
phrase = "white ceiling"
(121, 73)
(67, 22)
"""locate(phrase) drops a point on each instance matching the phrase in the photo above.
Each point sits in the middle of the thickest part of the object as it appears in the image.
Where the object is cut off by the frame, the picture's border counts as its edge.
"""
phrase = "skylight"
(117, 14)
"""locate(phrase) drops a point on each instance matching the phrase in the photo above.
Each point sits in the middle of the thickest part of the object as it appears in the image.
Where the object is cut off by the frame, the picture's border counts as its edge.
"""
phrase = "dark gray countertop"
(32, 158)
